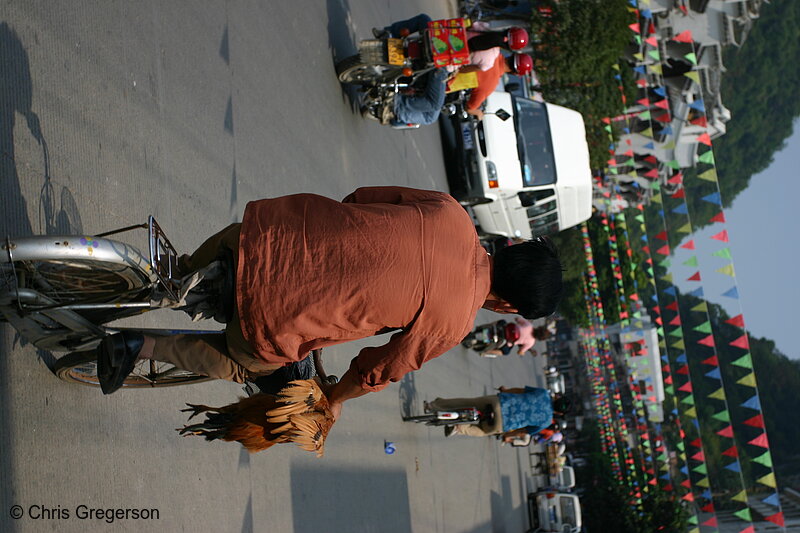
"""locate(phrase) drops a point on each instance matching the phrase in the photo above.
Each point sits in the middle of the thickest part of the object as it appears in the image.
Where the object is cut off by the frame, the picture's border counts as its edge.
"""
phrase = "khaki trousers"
(225, 355)
(484, 428)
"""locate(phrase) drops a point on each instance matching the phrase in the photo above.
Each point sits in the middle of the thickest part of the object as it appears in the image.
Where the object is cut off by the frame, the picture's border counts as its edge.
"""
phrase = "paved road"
(187, 110)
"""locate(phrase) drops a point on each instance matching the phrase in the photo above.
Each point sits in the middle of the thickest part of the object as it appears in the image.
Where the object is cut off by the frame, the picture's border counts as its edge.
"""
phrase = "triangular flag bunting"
(727, 270)
(745, 361)
(744, 514)
(765, 459)
(718, 394)
(725, 253)
(741, 342)
(768, 480)
(761, 441)
(738, 321)
(721, 236)
(749, 380)
(756, 422)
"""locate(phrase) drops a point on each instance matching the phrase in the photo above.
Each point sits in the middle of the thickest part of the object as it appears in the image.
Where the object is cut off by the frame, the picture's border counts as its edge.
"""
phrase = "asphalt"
(110, 111)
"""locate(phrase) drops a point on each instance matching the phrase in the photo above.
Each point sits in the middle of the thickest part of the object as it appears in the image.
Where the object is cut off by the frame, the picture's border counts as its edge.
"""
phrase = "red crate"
(448, 39)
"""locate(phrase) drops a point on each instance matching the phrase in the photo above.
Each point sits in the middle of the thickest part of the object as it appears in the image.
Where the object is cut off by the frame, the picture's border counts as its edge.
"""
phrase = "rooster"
(300, 413)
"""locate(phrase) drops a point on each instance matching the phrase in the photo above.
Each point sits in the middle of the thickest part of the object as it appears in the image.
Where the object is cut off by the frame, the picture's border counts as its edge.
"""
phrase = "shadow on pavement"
(408, 395)
(342, 43)
(349, 500)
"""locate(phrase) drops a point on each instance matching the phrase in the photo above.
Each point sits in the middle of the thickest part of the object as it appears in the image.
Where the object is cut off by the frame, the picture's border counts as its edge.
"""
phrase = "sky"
(764, 229)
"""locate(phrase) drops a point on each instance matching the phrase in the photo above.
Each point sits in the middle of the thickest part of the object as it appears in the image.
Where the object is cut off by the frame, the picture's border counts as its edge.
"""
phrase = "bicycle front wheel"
(81, 368)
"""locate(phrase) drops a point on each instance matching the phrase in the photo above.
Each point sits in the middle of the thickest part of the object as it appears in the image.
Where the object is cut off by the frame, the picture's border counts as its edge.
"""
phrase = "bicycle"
(59, 292)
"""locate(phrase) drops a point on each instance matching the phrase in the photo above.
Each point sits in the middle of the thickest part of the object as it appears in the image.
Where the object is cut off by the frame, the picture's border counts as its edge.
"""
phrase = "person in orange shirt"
(313, 272)
(519, 64)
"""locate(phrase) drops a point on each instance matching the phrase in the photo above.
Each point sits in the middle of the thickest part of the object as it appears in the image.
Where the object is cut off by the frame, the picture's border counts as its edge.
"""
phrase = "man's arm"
(348, 387)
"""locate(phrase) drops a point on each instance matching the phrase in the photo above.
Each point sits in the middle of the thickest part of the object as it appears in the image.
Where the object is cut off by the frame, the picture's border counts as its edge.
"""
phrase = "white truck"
(551, 511)
(525, 176)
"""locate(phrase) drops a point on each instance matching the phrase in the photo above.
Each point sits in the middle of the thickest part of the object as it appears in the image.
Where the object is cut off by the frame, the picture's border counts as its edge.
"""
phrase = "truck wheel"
(474, 200)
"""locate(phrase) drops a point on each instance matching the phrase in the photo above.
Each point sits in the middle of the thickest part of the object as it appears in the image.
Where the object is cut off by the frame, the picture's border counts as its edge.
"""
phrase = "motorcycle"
(387, 66)
(490, 337)
(453, 417)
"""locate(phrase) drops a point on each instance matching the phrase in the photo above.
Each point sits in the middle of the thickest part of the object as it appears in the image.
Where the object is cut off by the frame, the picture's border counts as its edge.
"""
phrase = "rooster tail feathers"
(196, 409)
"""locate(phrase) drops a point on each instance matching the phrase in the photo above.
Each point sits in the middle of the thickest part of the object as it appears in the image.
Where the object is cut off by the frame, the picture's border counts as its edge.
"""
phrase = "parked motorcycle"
(493, 336)
(386, 66)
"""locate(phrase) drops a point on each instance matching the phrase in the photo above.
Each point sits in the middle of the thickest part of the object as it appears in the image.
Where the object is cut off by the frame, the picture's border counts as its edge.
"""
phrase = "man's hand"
(336, 410)
(477, 113)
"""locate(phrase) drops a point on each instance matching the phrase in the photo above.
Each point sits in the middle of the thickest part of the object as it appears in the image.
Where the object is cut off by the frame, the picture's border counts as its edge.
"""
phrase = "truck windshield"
(534, 143)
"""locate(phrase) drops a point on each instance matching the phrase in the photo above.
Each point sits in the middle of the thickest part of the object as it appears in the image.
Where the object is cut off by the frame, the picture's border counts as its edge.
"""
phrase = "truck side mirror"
(502, 114)
(512, 87)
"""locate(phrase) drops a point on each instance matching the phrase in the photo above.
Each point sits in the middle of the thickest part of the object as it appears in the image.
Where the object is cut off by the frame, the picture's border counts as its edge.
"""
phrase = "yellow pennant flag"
(749, 380)
(709, 175)
(727, 270)
(768, 480)
(692, 75)
(691, 413)
(718, 394)
(703, 483)
(740, 497)
(667, 277)
(701, 307)
(686, 228)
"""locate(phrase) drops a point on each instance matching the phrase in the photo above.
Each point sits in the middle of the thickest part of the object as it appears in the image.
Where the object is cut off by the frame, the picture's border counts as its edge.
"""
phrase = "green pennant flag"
(638, 39)
(640, 218)
(621, 216)
(654, 54)
(702, 307)
(749, 380)
(700, 469)
(725, 253)
(644, 115)
(669, 389)
(709, 175)
(666, 263)
(691, 412)
(681, 447)
(663, 459)
(727, 270)
(707, 157)
(705, 327)
(722, 416)
(686, 228)
(650, 272)
(744, 361)
(693, 75)
(744, 514)
(656, 185)
(718, 394)
(691, 57)
(765, 459)
(677, 332)
(703, 483)
(693, 520)
(689, 400)
(740, 497)
(692, 261)
(673, 164)
(607, 128)
(660, 331)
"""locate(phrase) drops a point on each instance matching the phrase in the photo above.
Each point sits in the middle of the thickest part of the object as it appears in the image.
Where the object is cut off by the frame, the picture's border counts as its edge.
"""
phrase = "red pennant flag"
(633, 296)
(677, 179)
(644, 101)
(689, 497)
(705, 139)
(699, 456)
(646, 250)
(662, 236)
(668, 487)
(701, 121)
(697, 443)
(719, 217)
(731, 452)
(684, 37)
(675, 321)
(694, 277)
(651, 28)
(652, 481)
(776, 518)
(664, 117)
(741, 342)
(686, 483)
(664, 250)
(641, 82)
(726, 432)
(721, 236)
(629, 153)
(683, 370)
(757, 421)
(680, 193)
(673, 306)
(761, 440)
(707, 341)
(713, 361)
(658, 321)
(748, 529)
(663, 104)
(668, 380)
(708, 508)
(652, 174)
(652, 41)
(711, 522)
(737, 321)
(651, 159)
(635, 27)
(689, 245)
(686, 387)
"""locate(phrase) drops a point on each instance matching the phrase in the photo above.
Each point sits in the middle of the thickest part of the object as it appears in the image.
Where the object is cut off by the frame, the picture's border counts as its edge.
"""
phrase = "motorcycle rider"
(519, 64)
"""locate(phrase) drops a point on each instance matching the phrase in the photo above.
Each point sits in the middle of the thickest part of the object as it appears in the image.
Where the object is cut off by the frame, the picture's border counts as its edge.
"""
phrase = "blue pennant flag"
(667, 130)
(640, 69)
(773, 500)
(698, 105)
(707, 494)
(665, 358)
(626, 130)
(633, 3)
(670, 291)
(650, 146)
(681, 358)
(660, 92)
(696, 423)
(697, 293)
(664, 476)
(752, 403)
(617, 77)
(644, 238)
(713, 198)
(611, 147)
(734, 467)
(714, 374)
(681, 210)
(685, 470)
(646, 13)
(733, 292)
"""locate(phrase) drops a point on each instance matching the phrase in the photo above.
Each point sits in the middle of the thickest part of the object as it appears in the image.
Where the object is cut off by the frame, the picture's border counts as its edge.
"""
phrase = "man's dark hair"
(487, 40)
(528, 276)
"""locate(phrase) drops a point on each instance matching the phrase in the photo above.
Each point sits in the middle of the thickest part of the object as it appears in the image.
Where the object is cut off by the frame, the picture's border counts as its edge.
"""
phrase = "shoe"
(367, 113)
(448, 430)
(380, 33)
(116, 357)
